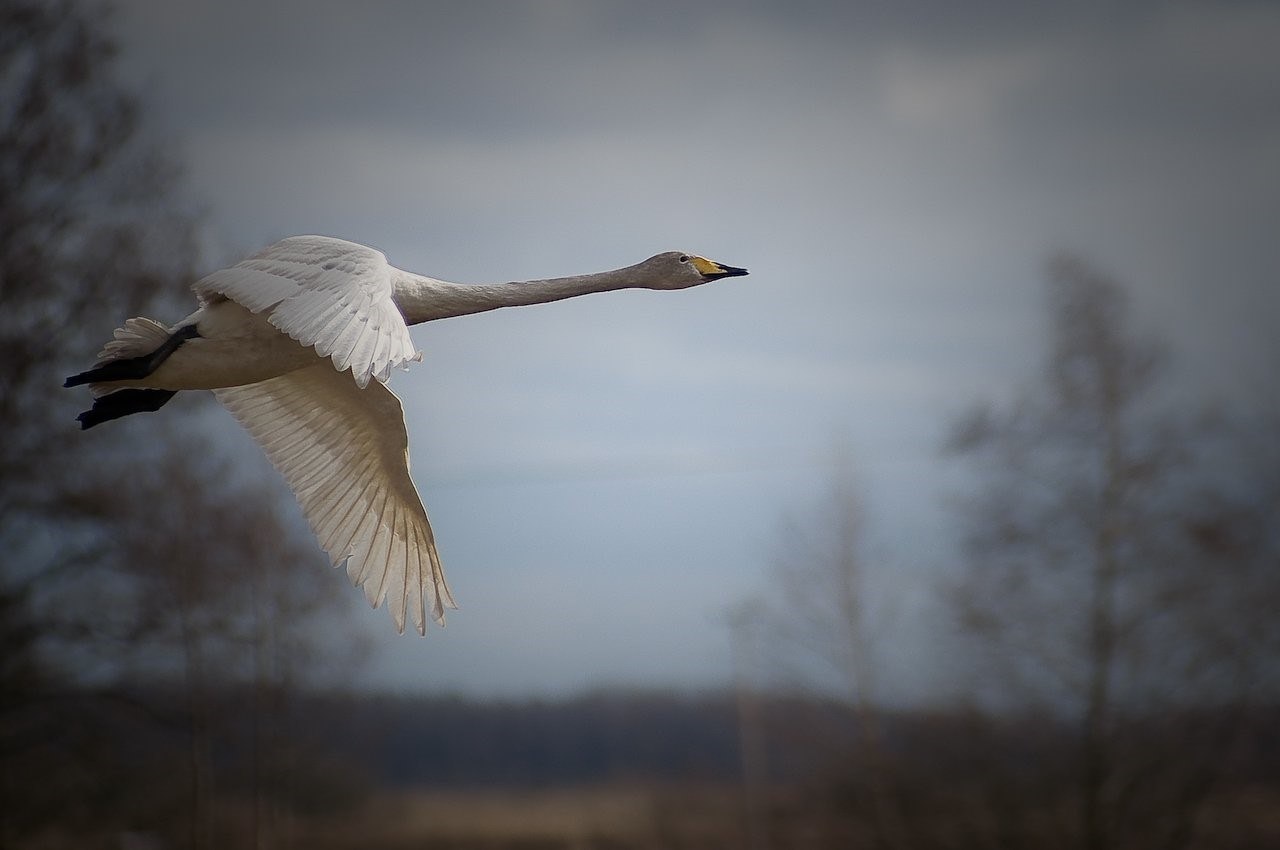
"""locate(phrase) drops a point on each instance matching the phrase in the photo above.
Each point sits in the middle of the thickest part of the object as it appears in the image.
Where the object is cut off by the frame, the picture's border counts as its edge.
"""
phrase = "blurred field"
(622, 816)
(675, 816)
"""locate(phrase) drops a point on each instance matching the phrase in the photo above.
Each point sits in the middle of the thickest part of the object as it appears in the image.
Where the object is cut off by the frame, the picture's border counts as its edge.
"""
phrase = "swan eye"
(684, 258)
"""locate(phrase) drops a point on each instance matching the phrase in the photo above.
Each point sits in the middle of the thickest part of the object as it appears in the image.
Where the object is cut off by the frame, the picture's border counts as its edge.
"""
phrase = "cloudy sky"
(607, 476)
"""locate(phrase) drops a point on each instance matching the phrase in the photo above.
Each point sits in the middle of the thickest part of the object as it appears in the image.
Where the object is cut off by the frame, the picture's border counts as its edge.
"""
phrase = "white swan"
(274, 338)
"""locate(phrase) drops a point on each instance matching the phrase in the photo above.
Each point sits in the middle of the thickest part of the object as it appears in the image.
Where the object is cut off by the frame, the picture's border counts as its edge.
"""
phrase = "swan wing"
(344, 452)
(323, 292)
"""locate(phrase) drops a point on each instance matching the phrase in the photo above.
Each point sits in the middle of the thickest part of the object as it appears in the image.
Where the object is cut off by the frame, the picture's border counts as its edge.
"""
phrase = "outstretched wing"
(326, 292)
(344, 452)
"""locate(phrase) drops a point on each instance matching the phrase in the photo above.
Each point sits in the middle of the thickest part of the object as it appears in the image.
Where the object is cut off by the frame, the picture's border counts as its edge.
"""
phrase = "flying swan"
(297, 342)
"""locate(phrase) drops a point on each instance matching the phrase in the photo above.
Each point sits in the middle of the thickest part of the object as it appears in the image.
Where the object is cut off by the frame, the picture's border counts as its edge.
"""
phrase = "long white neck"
(423, 299)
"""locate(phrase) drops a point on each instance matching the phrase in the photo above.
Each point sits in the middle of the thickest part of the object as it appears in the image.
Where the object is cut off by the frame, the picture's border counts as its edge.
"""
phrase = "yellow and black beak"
(712, 270)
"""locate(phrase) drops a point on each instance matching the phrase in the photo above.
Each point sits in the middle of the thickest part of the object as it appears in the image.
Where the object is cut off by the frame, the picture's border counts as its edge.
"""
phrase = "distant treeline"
(168, 760)
(450, 741)
(375, 741)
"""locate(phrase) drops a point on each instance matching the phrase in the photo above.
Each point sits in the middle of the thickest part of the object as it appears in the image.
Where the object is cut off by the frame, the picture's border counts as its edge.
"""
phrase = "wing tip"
(436, 592)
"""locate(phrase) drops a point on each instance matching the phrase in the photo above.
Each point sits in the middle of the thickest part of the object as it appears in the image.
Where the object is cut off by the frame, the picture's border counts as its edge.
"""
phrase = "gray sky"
(606, 476)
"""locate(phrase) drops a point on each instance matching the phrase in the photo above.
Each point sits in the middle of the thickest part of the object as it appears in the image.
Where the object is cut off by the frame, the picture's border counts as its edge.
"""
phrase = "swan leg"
(134, 368)
(122, 403)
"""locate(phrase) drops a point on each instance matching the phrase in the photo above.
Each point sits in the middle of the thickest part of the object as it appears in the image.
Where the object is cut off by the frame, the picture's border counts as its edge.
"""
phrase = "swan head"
(680, 270)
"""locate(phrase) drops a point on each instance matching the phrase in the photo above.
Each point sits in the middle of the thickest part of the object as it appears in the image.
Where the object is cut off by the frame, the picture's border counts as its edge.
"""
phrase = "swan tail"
(139, 336)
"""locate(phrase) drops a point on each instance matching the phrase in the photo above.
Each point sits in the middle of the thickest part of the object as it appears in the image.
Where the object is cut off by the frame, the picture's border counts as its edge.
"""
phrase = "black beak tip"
(732, 271)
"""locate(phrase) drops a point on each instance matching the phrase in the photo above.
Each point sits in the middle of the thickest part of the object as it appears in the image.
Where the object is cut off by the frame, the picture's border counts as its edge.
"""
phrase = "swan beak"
(712, 270)
(729, 271)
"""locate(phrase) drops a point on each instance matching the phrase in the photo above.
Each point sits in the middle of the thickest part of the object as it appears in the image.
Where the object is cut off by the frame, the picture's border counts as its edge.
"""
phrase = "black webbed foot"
(122, 403)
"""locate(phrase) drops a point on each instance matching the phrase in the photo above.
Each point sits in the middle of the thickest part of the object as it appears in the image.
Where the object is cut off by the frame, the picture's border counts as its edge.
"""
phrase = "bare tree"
(1086, 583)
(212, 586)
(133, 548)
(824, 622)
(88, 231)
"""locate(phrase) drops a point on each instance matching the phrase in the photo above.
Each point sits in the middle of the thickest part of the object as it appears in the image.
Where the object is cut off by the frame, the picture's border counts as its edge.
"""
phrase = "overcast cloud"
(606, 475)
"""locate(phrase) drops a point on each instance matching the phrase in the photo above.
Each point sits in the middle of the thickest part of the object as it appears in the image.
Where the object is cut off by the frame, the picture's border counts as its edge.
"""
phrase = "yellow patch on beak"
(711, 269)
(705, 266)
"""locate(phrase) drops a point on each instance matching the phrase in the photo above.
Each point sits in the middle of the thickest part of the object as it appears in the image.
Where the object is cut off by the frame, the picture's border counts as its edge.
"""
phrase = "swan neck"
(423, 299)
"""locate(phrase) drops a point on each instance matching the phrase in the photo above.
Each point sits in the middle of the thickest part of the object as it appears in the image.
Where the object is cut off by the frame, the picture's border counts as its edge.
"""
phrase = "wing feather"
(348, 339)
(413, 575)
(344, 452)
(323, 292)
(372, 530)
(382, 564)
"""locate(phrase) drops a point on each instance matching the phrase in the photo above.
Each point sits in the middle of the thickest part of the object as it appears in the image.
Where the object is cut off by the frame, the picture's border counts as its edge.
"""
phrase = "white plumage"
(328, 293)
(344, 452)
(297, 342)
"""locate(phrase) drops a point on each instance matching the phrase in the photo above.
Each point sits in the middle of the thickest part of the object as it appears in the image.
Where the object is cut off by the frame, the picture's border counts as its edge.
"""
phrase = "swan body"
(297, 342)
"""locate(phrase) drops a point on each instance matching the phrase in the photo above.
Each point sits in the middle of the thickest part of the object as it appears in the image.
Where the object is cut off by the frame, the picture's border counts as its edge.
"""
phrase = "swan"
(297, 342)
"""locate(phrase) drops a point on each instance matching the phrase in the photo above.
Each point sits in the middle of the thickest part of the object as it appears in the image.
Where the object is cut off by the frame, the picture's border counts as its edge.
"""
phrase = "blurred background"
(953, 525)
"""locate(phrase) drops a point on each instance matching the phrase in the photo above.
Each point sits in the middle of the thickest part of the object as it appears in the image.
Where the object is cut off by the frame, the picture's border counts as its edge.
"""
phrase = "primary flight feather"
(297, 343)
